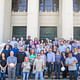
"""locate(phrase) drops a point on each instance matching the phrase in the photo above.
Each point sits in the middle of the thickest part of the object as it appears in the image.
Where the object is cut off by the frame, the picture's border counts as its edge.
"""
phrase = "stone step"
(44, 79)
(46, 76)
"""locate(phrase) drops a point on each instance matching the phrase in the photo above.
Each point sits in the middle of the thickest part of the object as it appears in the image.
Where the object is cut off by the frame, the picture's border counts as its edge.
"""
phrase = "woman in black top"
(3, 65)
(63, 59)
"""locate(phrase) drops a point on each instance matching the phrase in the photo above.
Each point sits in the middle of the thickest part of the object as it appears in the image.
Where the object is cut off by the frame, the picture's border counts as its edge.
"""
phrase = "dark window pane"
(49, 5)
(19, 5)
(77, 33)
(76, 5)
(19, 32)
(48, 32)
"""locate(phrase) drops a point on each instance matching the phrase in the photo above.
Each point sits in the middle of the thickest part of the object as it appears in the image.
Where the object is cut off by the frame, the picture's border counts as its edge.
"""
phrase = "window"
(49, 5)
(19, 5)
(76, 5)
(19, 32)
(48, 32)
(77, 33)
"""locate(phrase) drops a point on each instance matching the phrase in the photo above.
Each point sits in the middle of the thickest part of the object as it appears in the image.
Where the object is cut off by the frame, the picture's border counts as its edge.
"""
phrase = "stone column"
(2, 3)
(65, 28)
(33, 18)
(5, 19)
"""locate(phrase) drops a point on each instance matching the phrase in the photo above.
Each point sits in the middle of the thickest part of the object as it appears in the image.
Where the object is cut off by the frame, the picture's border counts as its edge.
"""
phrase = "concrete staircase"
(51, 78)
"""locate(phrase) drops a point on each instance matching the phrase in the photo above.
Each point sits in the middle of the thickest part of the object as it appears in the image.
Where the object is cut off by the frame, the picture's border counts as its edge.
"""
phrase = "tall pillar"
(2, 3)
(33, 18)
(5, 19)
(65, 29)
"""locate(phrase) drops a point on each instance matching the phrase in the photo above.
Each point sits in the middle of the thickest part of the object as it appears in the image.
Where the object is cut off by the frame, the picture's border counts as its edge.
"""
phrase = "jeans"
(64, 73)
(2, 76)
(72, 75)
(77, 71)
(49, 65)
(18, 69)
(33, 75)
(57, 70)
(41, 75)
(11, 73)
(25, 75)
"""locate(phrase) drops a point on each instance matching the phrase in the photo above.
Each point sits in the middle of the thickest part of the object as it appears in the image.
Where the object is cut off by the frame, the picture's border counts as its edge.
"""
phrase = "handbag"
(62, 68)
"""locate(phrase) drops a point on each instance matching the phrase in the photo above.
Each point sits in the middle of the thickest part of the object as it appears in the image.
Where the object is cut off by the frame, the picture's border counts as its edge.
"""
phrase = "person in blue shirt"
(78, 64)
(6, 51)
(21, 41)
(50, 61)
(74, 45)
(71, 63)
(67, 45)
(11, 63)
(77, 55)
(13, 42)
(15, 49)
(62, 47)
(57, 64)
(55, 41)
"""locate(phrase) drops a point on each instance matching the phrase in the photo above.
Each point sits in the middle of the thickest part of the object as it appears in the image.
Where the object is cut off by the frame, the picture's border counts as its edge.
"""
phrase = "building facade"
(39, 18)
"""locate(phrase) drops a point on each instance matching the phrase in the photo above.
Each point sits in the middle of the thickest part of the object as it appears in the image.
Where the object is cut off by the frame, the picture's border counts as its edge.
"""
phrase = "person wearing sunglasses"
(39, 65)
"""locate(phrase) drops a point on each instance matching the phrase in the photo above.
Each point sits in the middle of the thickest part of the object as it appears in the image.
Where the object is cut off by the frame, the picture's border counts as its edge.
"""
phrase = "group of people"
(28, 59)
